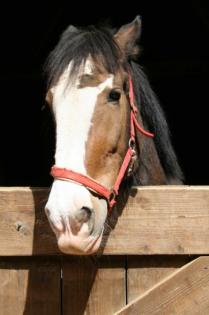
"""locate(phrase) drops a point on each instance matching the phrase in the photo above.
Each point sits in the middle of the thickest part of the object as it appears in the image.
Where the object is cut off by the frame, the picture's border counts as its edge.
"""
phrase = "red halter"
(127, 165)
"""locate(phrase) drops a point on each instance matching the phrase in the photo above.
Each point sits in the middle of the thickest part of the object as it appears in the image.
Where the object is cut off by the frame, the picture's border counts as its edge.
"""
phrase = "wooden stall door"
(29, 286)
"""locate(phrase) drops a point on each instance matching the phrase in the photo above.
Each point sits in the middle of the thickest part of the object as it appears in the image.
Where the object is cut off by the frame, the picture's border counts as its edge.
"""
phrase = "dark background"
(175, 57)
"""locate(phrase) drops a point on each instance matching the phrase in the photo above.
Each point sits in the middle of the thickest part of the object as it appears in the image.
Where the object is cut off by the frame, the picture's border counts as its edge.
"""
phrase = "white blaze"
(73, 108)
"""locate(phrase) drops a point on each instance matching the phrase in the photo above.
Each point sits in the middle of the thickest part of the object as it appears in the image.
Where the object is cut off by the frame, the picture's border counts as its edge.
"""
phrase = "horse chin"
(84, 241)
(76, 245)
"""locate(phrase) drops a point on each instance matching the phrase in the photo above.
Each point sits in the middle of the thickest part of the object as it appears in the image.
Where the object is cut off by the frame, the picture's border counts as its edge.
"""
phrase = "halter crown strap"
(109, 194)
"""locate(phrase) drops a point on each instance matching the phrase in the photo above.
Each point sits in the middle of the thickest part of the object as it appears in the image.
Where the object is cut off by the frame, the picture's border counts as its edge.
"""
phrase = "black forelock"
(77, 44)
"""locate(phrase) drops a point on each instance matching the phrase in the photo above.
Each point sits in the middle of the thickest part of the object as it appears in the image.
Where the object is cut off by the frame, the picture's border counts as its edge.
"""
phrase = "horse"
(111, 132)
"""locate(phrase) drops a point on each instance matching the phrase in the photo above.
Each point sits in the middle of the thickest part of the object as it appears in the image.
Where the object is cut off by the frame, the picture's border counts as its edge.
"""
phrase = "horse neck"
(150, 170)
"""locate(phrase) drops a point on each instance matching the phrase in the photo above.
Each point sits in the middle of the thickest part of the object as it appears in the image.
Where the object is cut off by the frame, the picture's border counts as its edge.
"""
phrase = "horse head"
(91, 96)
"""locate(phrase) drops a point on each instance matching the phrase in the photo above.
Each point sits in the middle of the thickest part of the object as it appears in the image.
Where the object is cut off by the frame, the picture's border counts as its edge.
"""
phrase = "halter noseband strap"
(127, 165)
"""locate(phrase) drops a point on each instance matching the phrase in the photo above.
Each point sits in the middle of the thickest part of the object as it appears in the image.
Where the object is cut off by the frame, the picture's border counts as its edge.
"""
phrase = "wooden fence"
(154, 261)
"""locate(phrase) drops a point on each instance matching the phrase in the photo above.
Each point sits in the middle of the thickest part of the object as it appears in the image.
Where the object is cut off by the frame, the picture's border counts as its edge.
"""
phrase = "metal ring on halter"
(132, 143)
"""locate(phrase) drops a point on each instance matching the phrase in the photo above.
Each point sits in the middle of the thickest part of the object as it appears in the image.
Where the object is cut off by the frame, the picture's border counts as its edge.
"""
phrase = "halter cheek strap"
(126, 167)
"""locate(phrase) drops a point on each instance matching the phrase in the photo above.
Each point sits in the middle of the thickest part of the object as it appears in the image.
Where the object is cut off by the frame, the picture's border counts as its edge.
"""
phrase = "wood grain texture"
(93, 286)
(29, 287)
(143, 272)
(156, 220)
(186, 291)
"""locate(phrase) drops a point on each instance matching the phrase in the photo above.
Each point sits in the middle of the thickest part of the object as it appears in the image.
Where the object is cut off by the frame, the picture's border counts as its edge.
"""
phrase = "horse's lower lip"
(80, 248)
(94, 246)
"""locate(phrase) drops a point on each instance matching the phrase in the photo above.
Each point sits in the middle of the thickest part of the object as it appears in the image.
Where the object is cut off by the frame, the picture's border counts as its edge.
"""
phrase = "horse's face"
(91, 115)
(91, 112)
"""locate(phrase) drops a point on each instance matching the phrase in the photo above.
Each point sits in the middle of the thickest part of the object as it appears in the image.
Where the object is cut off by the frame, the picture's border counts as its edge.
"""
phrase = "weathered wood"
(143, 272)
(29, 287)
(156, 220)
(93, 286)
(24, 229)
(183, 292)
(163, 220)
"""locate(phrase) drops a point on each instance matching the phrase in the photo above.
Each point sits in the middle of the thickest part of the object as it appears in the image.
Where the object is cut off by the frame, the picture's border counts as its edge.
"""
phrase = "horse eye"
(114, 96)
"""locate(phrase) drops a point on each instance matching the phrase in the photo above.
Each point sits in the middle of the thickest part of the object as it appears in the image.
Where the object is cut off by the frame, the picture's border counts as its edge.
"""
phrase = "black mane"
(77, 45)
(154, 120)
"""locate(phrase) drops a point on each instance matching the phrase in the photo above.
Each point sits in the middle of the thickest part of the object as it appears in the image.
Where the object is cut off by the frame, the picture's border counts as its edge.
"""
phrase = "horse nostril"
(84, 214)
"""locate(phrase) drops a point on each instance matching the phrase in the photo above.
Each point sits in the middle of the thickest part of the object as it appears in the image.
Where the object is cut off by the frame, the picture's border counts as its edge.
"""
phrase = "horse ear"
(128, 35)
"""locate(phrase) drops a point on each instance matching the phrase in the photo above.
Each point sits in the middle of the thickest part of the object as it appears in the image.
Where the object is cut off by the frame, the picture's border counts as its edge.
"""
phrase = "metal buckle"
(132, 144)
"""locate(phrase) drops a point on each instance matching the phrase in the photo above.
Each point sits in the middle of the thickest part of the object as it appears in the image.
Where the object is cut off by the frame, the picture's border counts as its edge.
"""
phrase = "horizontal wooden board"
(156, 220)
(185, 291)
(24, 229)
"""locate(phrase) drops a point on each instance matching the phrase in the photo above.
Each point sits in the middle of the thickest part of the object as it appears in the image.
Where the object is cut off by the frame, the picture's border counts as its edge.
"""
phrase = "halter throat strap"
(126, 167)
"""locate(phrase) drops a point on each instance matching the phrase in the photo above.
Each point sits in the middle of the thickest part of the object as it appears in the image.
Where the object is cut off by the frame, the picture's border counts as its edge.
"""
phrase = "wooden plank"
(29, 287)
(143, 272)
(24, 229)
(156, 220)
(93, 286)
(185, 291)
(163, 220)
